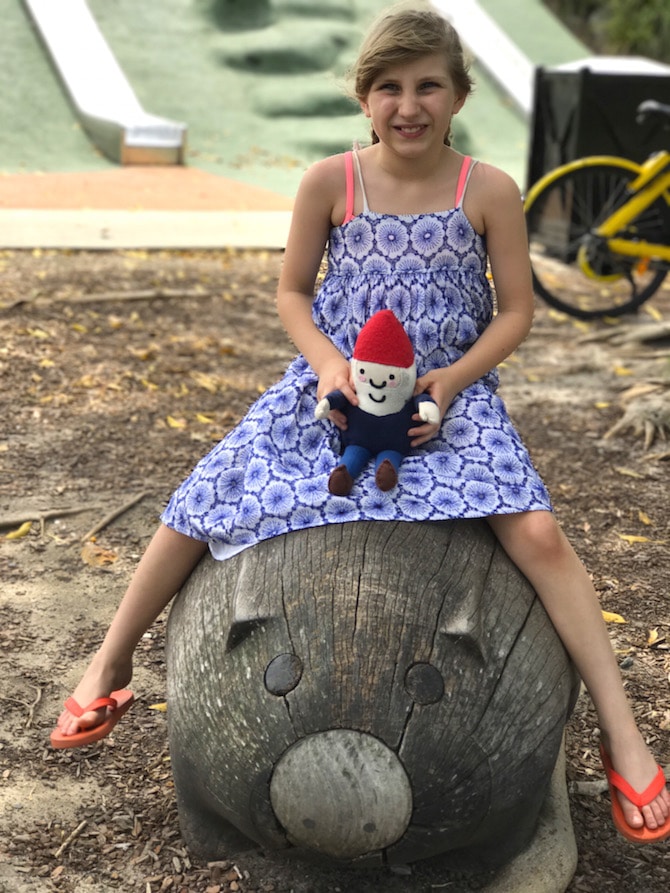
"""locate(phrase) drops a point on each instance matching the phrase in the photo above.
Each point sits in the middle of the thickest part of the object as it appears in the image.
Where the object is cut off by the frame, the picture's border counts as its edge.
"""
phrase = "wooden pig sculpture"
(375, 693)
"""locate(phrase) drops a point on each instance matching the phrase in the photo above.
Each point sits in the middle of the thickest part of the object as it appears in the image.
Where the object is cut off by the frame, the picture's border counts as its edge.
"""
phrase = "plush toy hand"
(429, 412)
(322, 409)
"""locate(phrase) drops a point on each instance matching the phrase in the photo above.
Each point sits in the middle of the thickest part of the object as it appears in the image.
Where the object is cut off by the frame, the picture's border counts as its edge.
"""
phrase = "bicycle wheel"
(573, 270)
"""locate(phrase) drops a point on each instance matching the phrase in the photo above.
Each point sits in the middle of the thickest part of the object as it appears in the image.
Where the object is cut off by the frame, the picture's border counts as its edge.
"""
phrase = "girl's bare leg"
(163, 569)
(538, 547)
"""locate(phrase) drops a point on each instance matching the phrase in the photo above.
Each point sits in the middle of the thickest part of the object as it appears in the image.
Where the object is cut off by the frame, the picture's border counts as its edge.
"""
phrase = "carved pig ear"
(242, 629)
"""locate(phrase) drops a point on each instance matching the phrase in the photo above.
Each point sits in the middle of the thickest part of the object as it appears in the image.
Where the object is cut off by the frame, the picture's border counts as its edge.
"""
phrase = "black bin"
(588, 108)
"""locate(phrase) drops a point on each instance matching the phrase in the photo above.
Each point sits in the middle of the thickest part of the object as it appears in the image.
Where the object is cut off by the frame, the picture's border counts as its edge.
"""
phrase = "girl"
(409, 223)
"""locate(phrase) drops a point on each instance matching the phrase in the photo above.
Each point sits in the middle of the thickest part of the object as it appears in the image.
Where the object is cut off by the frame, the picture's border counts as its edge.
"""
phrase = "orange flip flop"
(640, 799)
(117, 704)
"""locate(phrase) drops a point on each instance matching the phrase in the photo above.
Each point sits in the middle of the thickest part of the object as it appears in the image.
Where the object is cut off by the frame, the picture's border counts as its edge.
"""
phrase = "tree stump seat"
(369, 693)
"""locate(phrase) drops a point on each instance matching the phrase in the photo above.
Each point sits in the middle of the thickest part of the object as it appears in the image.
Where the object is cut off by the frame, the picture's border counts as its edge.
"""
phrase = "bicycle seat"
(653, 109)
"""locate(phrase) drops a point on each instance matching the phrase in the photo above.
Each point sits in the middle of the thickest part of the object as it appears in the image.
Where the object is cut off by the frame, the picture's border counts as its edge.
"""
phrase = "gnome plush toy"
(384, 374)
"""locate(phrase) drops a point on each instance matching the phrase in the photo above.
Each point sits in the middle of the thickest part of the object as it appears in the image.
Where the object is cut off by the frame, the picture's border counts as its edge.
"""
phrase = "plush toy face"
(381, 389)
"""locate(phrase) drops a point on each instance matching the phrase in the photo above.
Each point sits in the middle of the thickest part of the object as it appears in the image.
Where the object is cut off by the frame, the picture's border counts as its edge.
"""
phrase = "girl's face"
(411, 104)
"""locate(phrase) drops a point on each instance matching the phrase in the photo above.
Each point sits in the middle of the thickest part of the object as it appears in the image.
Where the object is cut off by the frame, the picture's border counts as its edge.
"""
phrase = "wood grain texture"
(422, 637)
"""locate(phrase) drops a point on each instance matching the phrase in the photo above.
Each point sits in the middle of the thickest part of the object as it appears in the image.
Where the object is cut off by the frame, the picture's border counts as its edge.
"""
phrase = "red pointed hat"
(383, 340)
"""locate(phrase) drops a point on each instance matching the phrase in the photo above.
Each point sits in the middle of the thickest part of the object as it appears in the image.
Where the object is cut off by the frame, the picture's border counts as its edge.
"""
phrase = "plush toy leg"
(386, 473)
(342, 478)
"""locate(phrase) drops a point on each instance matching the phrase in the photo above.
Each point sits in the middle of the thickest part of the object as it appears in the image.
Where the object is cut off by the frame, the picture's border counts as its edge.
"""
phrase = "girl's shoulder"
(491, 180)
(327, 173)
(323, 187)
(491, 193)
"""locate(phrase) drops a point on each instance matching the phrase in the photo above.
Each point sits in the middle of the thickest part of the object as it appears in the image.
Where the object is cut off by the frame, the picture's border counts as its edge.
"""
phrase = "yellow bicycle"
(599, 229)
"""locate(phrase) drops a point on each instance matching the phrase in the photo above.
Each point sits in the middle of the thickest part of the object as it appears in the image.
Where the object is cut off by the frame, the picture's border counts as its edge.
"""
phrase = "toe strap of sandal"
(76, 710)
(639, 798)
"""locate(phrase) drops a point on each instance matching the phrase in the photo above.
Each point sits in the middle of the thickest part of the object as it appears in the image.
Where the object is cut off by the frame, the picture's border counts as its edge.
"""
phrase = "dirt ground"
(119, 370)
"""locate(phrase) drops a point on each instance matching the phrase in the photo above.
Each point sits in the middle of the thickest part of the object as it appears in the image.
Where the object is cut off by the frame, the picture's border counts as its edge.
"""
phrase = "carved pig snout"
(342, 793)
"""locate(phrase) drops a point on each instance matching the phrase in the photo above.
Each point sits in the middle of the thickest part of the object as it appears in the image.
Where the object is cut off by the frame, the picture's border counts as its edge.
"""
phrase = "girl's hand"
(335, 375)
(436, 383)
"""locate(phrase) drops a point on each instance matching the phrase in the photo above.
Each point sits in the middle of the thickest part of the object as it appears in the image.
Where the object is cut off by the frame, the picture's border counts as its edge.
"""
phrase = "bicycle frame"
(605, 218)
(652, 183)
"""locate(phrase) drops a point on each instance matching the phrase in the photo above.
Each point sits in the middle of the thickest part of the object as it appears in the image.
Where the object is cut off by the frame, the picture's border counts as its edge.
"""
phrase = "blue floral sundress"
(269, 475)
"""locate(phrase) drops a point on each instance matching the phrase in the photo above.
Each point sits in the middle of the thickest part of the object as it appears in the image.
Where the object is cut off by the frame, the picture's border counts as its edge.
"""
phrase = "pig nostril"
(283, 674)
(424, 684)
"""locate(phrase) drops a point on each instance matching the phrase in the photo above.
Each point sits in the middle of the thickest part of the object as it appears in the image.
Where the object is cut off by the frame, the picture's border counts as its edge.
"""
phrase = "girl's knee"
(533, 534)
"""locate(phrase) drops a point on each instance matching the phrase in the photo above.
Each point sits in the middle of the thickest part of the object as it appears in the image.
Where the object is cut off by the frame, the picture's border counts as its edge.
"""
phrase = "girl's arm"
(495, 208)
(317, 201)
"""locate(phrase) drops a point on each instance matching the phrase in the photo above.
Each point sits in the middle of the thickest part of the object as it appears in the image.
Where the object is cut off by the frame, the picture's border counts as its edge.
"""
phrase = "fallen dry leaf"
(628, 472)
(96, 556)
(609, 617)
(655, 638)
(633, 538)
(653, 312)
(20, 532)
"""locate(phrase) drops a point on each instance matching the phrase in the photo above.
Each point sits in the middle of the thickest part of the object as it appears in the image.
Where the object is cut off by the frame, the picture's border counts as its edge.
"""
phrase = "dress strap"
(464, 178)
(360, 178)
(349, 158)
(349, 182)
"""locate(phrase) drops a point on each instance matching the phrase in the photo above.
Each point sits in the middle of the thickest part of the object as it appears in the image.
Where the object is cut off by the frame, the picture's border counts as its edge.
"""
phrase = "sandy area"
(136, 188)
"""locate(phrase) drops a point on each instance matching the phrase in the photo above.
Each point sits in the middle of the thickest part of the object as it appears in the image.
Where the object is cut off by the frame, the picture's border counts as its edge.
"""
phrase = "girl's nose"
(408, 105)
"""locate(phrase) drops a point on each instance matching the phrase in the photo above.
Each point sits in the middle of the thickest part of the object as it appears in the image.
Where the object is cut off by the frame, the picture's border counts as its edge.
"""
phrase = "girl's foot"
(97, 682)
(632, 760)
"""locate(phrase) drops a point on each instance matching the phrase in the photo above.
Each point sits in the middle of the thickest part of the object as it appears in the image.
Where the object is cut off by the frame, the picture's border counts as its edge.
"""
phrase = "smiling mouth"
(377, 399)
(411, 130)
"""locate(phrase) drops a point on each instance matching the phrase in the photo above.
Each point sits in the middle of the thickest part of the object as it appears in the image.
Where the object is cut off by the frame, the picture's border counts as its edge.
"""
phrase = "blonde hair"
(405, 34)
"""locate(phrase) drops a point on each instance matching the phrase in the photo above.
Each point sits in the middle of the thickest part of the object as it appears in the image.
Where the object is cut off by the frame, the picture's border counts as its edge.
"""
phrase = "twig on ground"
(17, 520)
(112, 516)
(68, 840)
(31, 712)
(101, 297)
(588, 788)
(634, 333)
(29, 707)
(146, 295)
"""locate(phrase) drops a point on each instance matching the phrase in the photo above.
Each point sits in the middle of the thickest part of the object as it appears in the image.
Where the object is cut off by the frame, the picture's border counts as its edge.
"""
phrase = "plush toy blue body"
(384, 375)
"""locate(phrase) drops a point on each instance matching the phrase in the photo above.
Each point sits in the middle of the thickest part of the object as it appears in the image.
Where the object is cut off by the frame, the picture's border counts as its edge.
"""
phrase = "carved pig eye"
(424, 683)
(283, 674)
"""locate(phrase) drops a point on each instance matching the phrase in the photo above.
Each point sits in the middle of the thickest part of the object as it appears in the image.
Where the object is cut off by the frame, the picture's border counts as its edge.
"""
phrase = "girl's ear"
(458, 105)
(364, 107)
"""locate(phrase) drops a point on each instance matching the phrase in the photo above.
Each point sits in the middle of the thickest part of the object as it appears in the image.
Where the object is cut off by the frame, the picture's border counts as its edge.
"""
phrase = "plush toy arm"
(427, 409)
(334, 400)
